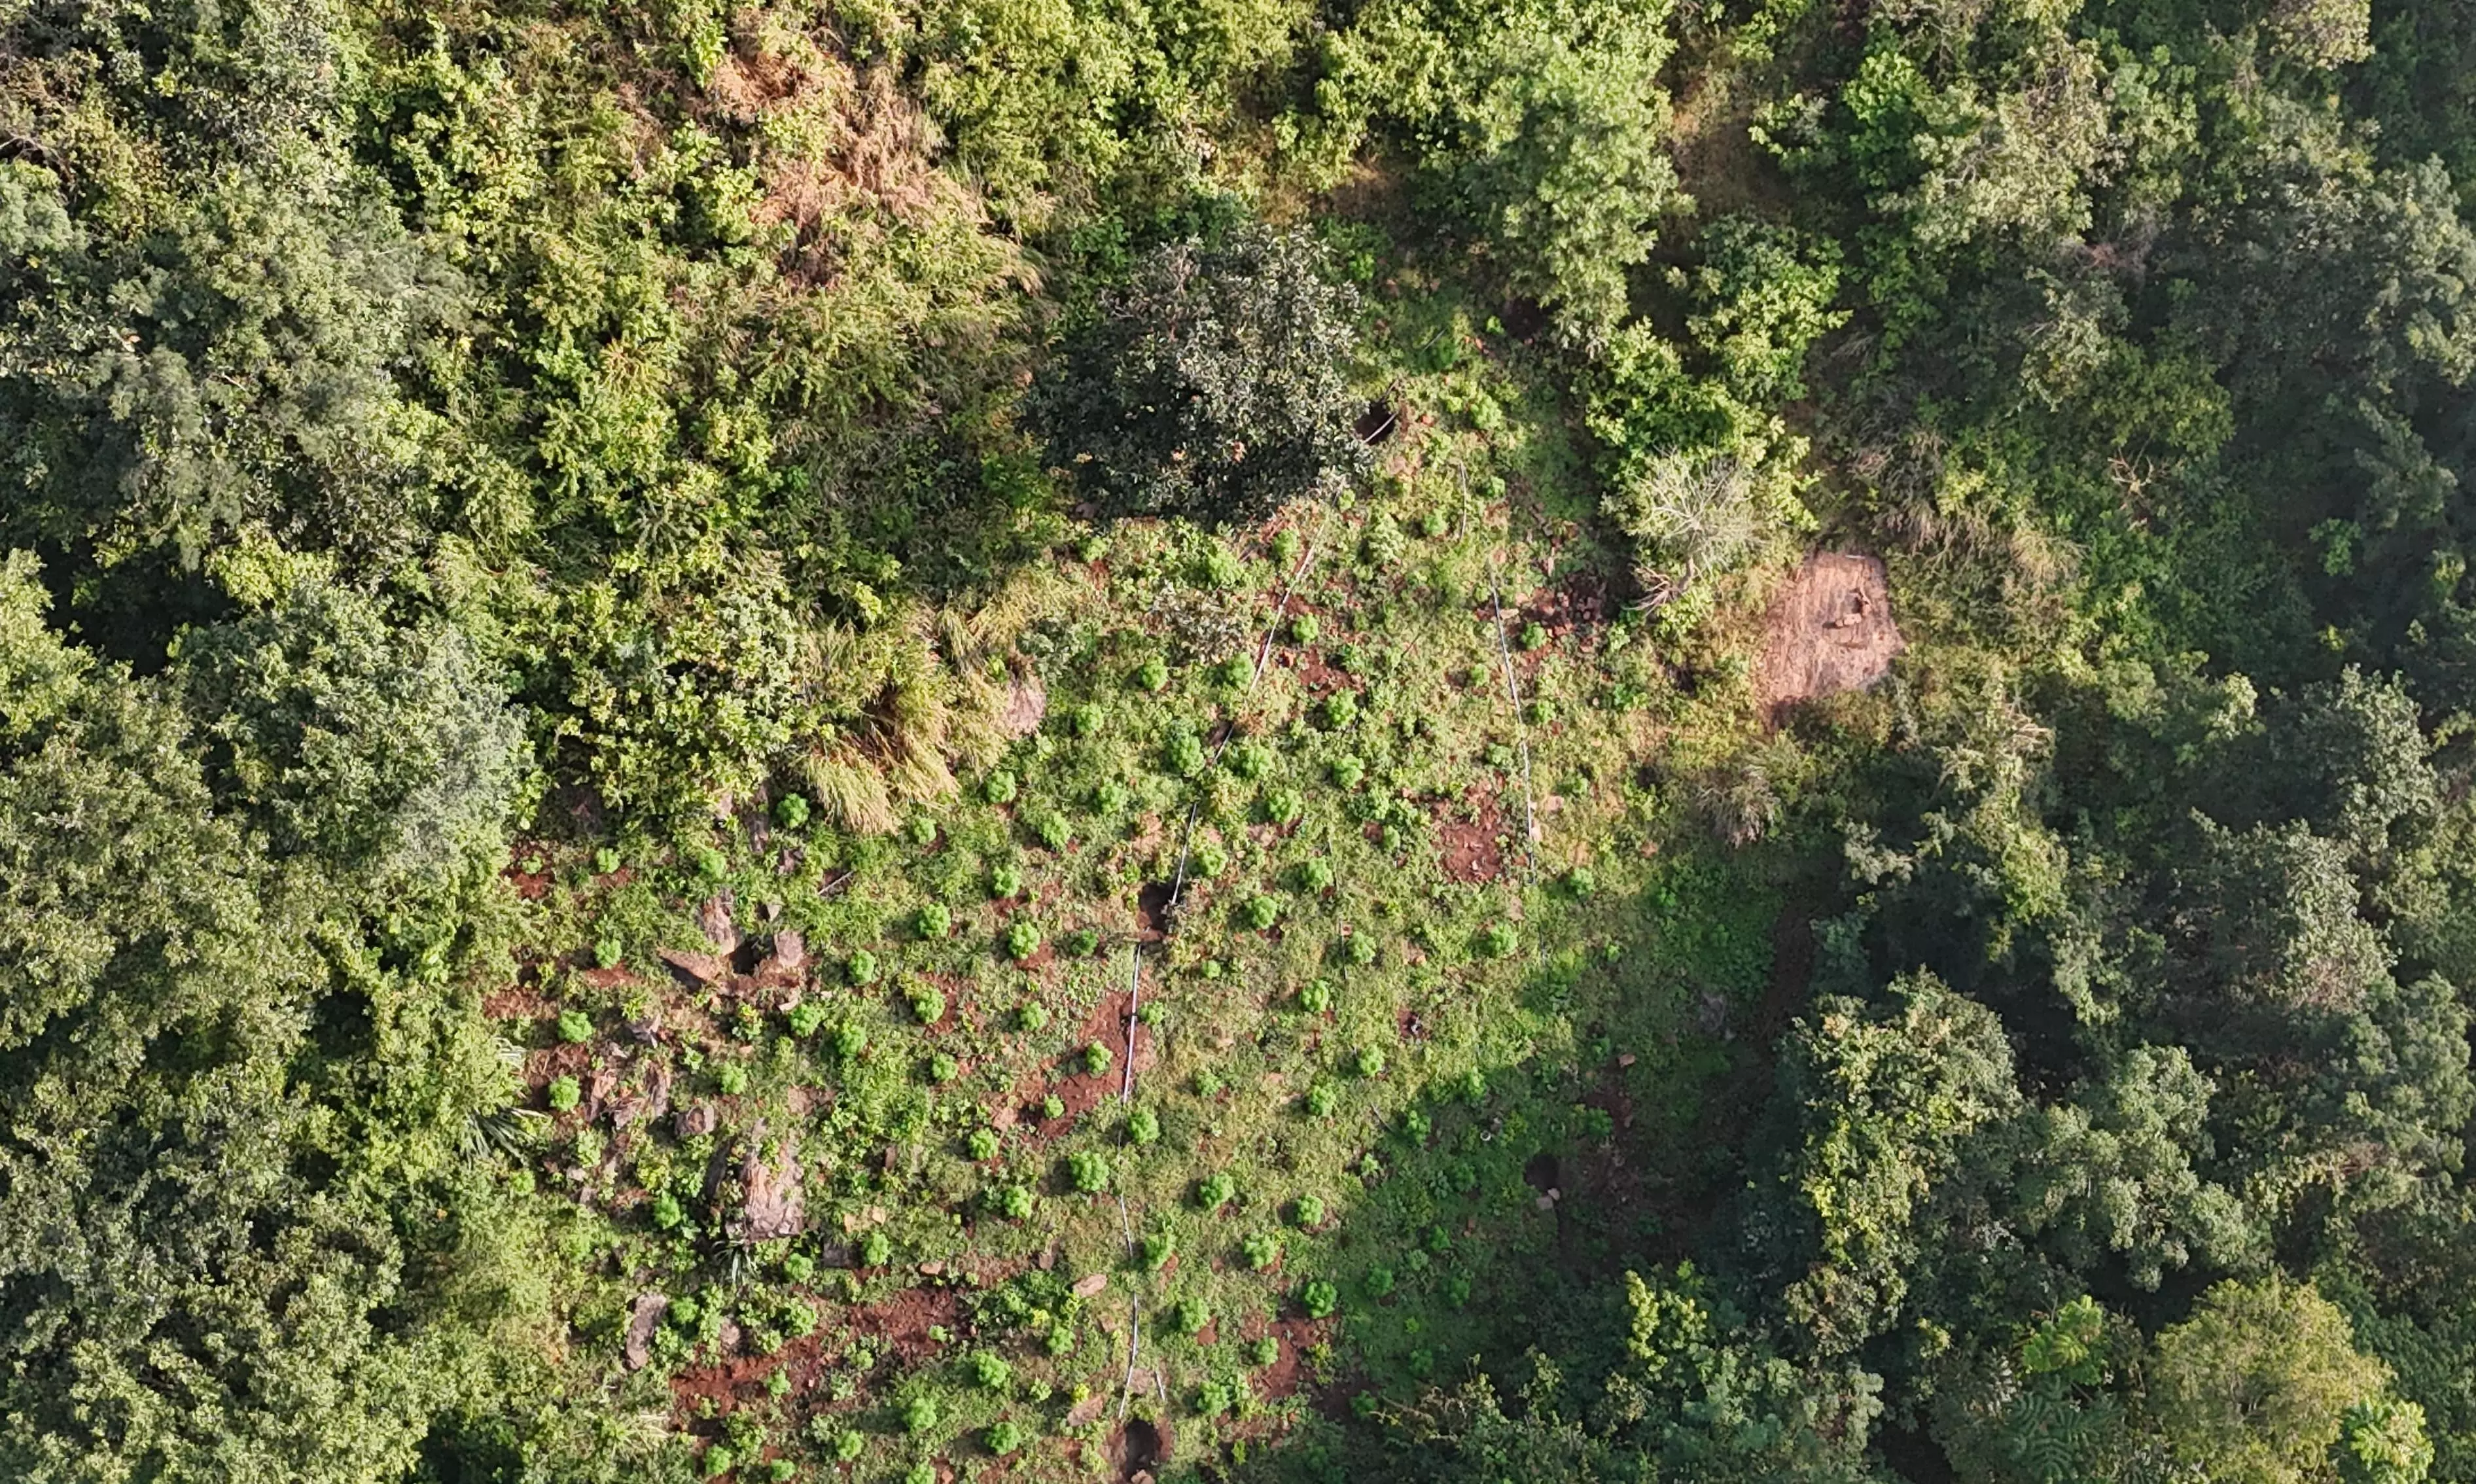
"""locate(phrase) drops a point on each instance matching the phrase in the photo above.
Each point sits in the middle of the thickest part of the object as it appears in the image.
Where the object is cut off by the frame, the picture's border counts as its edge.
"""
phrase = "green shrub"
(1189, 1314)
(1082, 943)
(1263, 1350)
(1210, 858)
(805, 1017)
(861, 968)
(1183, 754)
(989, 1371)
(928, 1004)
(709, 862)
(932, 922)
(1000, 789)
(1348, 772)
(1358, 950)
(1314, 876)
(1250, 761)
(664, 1208)
(1143, 1126)
(564, 1094)
(1416, 1126)
(1155, 1250)
(1370, 1061)
(719, 1460)
(1005, 1438)
(1216, 1190)
(1533, 636)
(1499, 755)
(943, 1068)
(1260, 912)
(1031, 1016)
(1087, 1171)
(1220, 567)
(1283, 806)
(1153, 675)
(923, 830)
(1053, 1105)
(1086, 721)
(1234, 673)
(1339, 711)
(1022, 940)
(1096, 1059)
(849, 1041)
(1005, 882)
(606, 861)
(1307, 1213)
(1304, 628)
(607, 954)
(1322, 1099)
(1316, 996)
(1111, 798)
(1539, 713)
(874, 1251)
(1581, 881)
(1380, 1282)
(1435, 523)
(791, 811)
(1260, 1250)
(799, 1267)
(981, 1144)
(1496, 939)
(732, 1077)
(1286, 545)
(1319, 1299)
(1053, 832)
(920, 1415)
(1014, 1202)
(575, 1026)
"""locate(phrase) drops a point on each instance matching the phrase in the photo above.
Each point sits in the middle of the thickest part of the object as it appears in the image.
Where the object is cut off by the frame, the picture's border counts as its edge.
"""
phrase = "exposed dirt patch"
(1138, 1449)
(1469, 846)
(1830, 630)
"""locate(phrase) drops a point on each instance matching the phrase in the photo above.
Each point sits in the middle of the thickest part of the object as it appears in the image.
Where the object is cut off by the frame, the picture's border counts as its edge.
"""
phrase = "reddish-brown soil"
(1470, 845)
(1830, 630)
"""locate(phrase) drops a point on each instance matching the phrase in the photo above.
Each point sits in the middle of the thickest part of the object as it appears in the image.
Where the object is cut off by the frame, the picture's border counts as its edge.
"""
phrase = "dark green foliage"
(1215, 384)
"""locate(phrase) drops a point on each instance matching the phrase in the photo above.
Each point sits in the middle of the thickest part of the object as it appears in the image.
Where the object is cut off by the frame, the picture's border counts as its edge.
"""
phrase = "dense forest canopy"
(1459, 740)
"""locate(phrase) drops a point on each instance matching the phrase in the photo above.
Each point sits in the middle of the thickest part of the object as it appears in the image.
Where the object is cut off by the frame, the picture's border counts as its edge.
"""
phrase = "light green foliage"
(2260, 1382)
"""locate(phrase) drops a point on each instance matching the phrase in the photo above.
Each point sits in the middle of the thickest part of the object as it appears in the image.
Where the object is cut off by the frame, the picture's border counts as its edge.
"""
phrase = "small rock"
(695, 1123)
(789, 956)
(713, 919)
(931, 1270)
(1091, 1287)
(698, 968)
(1627, 1059)
(643, 1320)
(728, 1339)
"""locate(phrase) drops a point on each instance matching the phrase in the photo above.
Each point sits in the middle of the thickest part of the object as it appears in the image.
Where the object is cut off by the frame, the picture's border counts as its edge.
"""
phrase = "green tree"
(2257, 1386)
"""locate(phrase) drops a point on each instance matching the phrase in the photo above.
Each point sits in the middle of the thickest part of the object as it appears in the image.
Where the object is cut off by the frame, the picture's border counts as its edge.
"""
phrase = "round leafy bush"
(1263, 1350)
(1539, 713)
(1005, 1438)
(932, 922)
(1000, 787)
(1021, 941)
(920, 1415)
(607, 954)
(1259, 913)
(1316, 996)
(1234, 672)
(791, 811)
(1053, 1105)
(1012, 1201)
(989, 1371)
(1086, 720)
(708, 862)
(1111, 798)
(1314, 876)
(1283, 806)
(981, 1144)
(1358, 948)
(719, 1460)
(1581, 881)
(1155, 1250)
(928, 1004)
(1533, 636)
(732, 1077)
(1208, 859)
(851, 1041)
(1082, 943)
(1087, 1171)
(1215, 1190)
(1143, 1126)
(1250, 761)
(1307, 1212)
(1304, 628)
(861, 968)
(564, 1094)
(1380, 1282)
(1182, 754)
(1260, 1250)
(1435, 523)
(1188, 1316)
(664, 1208)
(575, 1026)
(1322, 1099)
(1031, 1015)
(1153, 675)
(606, 861)
(1220, 567)
(876, 1250)
(1054, 831)
(1370, 1061)
(805, 1017)
(923, 830)
(799, 1267)
(1415, 1126)
(1096, 1059)
(1496, 939)
(1339, 711)
(943, 1068)
(1319, 1299)
(1005, 882)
